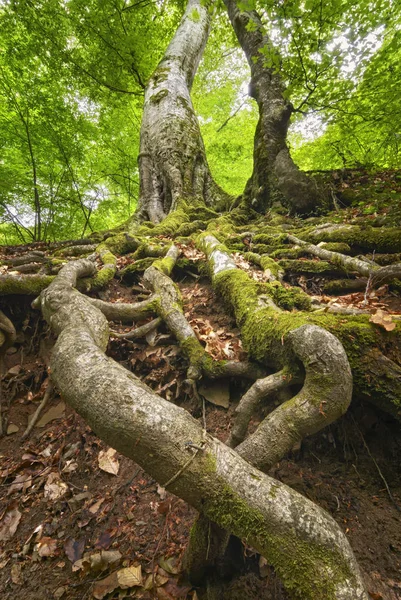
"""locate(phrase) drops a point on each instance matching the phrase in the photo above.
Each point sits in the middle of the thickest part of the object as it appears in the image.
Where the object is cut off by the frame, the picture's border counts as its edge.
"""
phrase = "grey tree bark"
(302, 542)
(275, 175)
(172, 160)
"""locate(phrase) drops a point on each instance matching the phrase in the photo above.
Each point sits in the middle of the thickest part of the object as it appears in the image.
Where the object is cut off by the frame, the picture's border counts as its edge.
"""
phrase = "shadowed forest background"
(200, 265)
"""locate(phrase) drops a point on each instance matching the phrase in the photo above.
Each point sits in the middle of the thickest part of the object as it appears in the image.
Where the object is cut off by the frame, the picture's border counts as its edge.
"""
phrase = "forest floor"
(80, 521)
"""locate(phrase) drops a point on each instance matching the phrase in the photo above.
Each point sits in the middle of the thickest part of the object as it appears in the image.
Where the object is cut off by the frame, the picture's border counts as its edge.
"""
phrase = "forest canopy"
(72, 80)
(221, 171)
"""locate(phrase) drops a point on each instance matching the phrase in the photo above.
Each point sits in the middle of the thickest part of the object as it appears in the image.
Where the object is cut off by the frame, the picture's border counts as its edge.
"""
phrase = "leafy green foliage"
(227, 115)
(72, 79)
(71, 89)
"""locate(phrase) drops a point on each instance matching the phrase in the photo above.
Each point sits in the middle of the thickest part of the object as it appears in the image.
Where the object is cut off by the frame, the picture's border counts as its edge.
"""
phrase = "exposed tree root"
(138, 332)
(304, 544)
(265, 330)
(126, 312)
(169, 308)
(376, 275)
(327, 388)
(260, 390)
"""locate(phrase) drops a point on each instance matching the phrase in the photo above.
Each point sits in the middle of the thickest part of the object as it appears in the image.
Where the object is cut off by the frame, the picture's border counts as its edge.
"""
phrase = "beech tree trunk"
(172, 159)
(275, 175)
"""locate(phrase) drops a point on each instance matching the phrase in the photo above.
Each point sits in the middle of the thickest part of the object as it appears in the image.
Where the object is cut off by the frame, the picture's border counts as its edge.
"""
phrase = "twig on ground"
(36, 415)
(390, 495)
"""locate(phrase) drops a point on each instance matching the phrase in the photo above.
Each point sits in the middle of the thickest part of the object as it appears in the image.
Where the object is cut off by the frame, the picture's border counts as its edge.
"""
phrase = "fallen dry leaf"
(383, 320)
(129, 577)
(108, 462)
(12, 429)
(105, 586)
(9, 521)
(70, 466)
(54, 487)
(16, 576)
(124, 578)
(21, 482)
(95, 507)
(216, 392)
(74, 549)
(47, 546)
(101, 560)
(55, 412)
(170, 565)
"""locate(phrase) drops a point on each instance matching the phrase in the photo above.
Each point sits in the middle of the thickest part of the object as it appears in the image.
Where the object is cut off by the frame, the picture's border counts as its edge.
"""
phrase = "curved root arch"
(302, 541)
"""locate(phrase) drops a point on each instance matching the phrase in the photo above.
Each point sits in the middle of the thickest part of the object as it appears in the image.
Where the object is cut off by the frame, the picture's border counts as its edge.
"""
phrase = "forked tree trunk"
(275, 175)
(172, 159)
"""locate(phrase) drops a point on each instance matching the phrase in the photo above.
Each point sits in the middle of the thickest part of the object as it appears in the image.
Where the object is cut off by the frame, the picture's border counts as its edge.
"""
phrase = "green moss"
(156, 98)
(161, 74)
(264, 329)
(263, 249)
(100, 280)
(149, 250)
(165, 265)
(336, 247)
(194, 15)
(309, 266)
(268, 263)
(385, 259)
(252, 257)
(288, 298)
(148, 224)
(187, 229)
(235, 247)
(343, 286)
(239, 291)
(201, 213)
(118, 244)
(272, 239)
(380, 239)
(108, 258)
(27, 285)
(303, 567)
(170, 225)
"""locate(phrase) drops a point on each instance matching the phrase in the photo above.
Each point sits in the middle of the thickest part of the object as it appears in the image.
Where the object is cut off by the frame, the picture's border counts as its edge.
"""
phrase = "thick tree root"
(373, 239)
(376, 275)
(326, 392)
(169, 308)
(302, 542)
(138, 332)
(125, 312)
(264, 330)
(260, 390)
